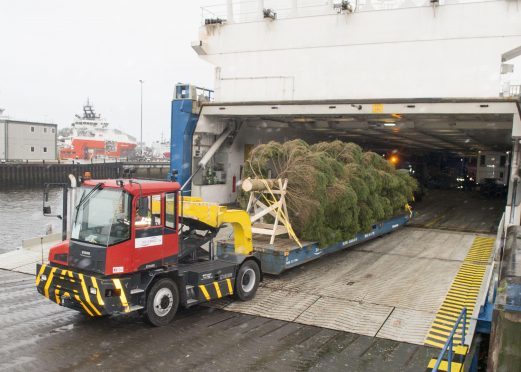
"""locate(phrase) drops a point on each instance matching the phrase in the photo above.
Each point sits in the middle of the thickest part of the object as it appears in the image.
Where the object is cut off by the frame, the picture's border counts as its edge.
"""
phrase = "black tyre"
(247, 282)
(162, 302)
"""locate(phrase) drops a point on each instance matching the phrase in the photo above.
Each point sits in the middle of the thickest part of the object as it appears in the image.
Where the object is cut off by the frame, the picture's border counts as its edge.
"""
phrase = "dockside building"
(25, 140)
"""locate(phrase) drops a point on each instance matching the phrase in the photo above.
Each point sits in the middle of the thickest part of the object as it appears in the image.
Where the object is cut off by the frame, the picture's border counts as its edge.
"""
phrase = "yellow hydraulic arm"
(215, 215)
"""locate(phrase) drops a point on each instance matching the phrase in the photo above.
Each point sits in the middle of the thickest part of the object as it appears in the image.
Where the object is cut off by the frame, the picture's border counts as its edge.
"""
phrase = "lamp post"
(141, 121)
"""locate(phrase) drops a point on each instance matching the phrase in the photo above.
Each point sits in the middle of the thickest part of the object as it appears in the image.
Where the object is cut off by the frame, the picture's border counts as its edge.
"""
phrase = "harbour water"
(21, 206)
(21, 215)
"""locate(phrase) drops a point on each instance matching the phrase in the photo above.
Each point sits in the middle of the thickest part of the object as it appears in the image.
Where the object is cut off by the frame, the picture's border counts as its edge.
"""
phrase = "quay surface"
(366, 309)
(39, 335)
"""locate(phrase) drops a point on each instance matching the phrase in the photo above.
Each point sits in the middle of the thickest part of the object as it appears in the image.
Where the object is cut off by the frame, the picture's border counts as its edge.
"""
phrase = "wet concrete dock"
(407, 273)
(39, 335)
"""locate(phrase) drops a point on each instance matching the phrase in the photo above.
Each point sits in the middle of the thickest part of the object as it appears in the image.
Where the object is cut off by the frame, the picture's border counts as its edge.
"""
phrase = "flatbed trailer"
(286, 254)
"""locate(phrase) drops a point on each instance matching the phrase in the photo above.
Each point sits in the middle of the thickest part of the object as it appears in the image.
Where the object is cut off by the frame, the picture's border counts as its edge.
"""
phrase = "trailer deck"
(286, 254)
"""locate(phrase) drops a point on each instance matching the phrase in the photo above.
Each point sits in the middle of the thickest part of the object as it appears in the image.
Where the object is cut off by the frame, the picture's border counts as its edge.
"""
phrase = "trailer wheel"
(162, 302)
(247, 281)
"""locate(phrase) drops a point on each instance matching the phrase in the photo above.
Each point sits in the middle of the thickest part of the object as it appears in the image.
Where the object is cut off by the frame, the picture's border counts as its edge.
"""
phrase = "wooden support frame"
(271, 200)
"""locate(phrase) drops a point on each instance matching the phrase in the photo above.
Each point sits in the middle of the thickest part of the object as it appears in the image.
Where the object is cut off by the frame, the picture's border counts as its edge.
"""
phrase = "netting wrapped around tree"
(335, 189)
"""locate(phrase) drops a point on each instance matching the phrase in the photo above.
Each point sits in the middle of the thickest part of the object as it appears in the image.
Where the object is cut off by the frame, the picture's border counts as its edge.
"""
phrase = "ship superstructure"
(90, 137)
(161, 149)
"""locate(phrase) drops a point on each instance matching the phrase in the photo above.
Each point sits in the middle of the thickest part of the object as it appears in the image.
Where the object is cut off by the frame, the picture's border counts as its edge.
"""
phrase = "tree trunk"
(255, 184)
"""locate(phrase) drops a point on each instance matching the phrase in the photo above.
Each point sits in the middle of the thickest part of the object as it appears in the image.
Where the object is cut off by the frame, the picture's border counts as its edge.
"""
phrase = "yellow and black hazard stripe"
(463, 293)
(49, 282)
(122, 296)
(215, 290)
(98, 291)
(39, 275)
(87, 295)
(458, 358)
(59, 284)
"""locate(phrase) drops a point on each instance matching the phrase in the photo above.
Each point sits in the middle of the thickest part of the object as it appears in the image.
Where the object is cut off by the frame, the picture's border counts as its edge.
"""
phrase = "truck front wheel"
(162, 302)
(247, 281)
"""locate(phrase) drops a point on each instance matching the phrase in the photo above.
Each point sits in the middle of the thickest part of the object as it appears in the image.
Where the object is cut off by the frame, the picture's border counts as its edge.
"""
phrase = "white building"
(24, 140)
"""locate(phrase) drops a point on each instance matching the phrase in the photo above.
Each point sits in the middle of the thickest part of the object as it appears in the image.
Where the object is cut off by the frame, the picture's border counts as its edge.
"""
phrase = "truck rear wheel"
(247, 281)
(162, 302)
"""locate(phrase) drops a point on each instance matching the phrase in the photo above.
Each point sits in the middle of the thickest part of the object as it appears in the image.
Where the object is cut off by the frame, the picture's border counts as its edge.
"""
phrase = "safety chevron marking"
(215, 290)
(463, 292)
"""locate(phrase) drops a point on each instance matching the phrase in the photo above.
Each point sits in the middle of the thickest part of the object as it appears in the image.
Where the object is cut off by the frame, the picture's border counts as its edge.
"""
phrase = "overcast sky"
(56, 53)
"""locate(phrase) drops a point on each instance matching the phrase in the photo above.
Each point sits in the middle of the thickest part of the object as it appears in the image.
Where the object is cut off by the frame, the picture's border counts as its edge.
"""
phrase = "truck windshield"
(103, 218)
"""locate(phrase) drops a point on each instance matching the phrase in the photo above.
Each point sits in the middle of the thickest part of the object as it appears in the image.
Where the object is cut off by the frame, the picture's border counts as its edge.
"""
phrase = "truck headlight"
(93, 291)
(43, 277)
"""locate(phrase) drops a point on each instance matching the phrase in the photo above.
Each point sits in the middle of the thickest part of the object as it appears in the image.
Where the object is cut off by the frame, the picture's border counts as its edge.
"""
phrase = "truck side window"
(148, 211)
(170, 210)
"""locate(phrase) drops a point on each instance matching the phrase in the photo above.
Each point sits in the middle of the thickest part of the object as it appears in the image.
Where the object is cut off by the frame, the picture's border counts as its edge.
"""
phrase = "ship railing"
(243, 11)
(448, 348)
(204, 94)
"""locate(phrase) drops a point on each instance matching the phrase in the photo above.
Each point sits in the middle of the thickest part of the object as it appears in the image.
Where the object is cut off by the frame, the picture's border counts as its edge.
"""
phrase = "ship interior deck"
(404, 286)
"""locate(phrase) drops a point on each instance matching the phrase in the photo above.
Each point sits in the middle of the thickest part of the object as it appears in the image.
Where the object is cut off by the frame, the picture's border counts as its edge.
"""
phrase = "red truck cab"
(124, 254)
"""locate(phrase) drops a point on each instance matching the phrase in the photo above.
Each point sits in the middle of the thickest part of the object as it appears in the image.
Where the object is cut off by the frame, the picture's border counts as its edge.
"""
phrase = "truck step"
(191, 302)
(190, 294)
(136, 290)
(135, 308)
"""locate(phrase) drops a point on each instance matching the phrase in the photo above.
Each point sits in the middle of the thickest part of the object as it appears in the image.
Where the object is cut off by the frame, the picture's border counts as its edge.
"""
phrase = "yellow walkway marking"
(455, 366)
(480, 250)
(460, 352)
(463, 292)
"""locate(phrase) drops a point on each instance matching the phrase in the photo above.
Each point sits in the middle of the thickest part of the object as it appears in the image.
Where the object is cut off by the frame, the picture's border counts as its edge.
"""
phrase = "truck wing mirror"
(46, 209)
